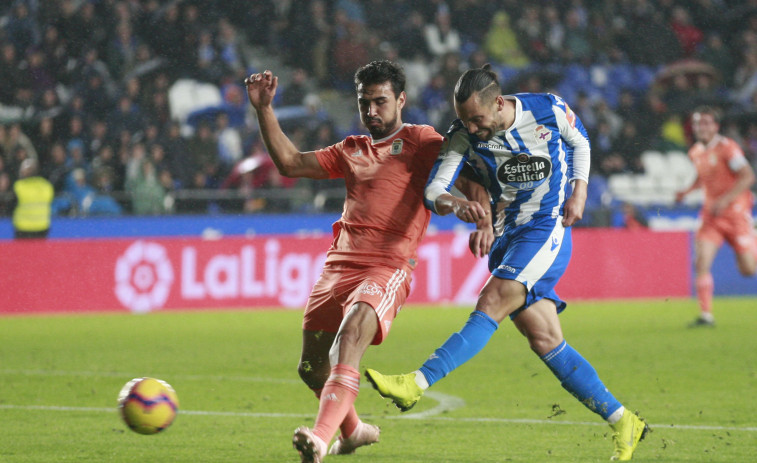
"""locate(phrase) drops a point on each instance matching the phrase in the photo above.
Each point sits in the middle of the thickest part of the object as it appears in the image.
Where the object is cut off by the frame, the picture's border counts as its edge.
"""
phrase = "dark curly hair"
(378, 72)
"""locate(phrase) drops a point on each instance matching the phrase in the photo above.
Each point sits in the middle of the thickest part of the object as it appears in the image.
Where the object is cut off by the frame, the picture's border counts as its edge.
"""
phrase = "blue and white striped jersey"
(526, 168)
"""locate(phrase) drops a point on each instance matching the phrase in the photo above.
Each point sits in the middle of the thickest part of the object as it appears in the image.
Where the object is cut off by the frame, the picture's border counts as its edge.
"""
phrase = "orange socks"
(337, 403)
(350, 422)
(705, 287)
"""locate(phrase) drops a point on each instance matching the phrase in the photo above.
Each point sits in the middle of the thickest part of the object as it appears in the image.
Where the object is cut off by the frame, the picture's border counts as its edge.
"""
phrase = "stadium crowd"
(85, 85)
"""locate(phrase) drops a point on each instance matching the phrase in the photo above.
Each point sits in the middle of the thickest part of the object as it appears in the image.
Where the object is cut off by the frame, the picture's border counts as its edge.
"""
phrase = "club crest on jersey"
(397, 146)
(542, 134)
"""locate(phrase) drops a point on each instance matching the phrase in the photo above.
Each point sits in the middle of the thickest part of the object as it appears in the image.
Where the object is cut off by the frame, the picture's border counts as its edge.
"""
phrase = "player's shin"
(337, 399)
(579, 378)
(460, 347)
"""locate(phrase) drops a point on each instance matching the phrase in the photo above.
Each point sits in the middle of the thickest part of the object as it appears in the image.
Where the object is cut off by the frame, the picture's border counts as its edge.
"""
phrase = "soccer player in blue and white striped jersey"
(532, 154)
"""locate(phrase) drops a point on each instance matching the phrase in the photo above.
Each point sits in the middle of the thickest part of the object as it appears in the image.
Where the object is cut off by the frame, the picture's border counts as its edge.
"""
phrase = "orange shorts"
(735, 228)
(340, 287)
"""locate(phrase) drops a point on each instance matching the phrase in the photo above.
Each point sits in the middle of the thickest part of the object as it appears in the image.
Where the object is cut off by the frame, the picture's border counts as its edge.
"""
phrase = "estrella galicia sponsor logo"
(524, 172)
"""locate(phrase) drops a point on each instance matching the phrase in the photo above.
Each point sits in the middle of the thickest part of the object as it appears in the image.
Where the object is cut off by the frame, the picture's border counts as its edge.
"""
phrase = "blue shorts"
(535, 254)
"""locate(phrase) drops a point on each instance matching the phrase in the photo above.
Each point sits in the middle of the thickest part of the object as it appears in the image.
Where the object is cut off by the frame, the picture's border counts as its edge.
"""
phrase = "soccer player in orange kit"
(726, 215)
(366, 277)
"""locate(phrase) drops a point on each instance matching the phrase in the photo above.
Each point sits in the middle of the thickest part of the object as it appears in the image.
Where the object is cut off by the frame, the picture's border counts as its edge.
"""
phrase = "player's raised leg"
(541, 326)
(497, 300)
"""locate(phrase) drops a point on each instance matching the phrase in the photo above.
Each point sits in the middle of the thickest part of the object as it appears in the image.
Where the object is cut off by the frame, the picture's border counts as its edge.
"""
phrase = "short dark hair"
(480, 80)
(711, 110)
(378, 72)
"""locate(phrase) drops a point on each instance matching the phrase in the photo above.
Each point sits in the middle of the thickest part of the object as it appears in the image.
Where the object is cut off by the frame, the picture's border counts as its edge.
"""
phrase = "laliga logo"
(143, 277)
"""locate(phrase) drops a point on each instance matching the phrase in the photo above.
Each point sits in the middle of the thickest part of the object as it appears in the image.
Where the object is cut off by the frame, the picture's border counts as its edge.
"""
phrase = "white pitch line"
(115, 374)
(446, 403)
(404, 416)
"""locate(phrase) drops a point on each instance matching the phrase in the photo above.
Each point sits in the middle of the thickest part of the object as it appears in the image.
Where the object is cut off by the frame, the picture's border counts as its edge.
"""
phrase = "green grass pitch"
(241, 399)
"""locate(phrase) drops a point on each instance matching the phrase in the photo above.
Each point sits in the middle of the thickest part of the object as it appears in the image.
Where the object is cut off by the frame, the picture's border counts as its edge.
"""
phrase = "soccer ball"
(148, 405)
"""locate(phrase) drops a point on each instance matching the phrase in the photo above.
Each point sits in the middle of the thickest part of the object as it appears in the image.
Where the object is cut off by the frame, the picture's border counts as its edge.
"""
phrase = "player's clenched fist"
(261, 88)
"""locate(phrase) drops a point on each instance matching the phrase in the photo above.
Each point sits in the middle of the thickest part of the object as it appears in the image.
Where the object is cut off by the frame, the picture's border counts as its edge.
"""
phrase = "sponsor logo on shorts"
(372, 289)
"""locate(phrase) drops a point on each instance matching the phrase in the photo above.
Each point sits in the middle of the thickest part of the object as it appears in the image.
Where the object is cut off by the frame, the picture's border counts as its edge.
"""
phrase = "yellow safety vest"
(34, 194)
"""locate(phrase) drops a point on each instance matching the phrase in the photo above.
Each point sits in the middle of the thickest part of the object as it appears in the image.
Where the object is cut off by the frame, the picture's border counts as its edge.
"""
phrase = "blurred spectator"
(577, 47)
(745, 79)
(633, 219)
(467, 18)
(229, 142)
(147, 194)
(231, 48)
(629, 146)
(36, 74)
(10, 73)
(202, 149)
(12, 137)
(21, 28)
(58, 167)
(294, 92)
(125, 117)
(529, 28)
(81, 192)
(350, 50)
(554, 31)
(714, 52)
(178, 155)
(440, 37)
(33, 196)
(410, 40)
(501, 43)
(122, 50)
(6, 206)
(689, 36)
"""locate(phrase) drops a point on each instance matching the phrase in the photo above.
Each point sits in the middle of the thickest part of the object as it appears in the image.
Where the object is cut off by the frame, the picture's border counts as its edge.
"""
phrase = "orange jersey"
(716, 165)
(384, 219)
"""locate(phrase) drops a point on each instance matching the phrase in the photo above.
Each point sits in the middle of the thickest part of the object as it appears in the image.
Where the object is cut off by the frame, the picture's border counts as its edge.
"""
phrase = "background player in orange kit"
(726, 176)
(366, 277)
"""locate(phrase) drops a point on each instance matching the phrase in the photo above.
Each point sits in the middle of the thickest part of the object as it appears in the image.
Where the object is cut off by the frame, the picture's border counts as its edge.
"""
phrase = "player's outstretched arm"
(290, 162)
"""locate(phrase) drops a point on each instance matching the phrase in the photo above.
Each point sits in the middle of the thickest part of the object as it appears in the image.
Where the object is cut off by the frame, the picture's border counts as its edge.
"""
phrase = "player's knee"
(498, 305)
(543, 342)
(314, 375)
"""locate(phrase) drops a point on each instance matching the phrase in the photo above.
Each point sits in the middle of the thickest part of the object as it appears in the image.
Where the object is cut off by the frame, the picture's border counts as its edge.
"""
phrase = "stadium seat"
(655, 163)
(622, 76)
(621, 187)
(681, 168)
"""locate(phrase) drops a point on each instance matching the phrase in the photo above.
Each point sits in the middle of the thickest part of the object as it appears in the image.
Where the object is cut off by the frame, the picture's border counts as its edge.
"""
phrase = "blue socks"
(576, 375)
(460, 347)
(579, 378)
